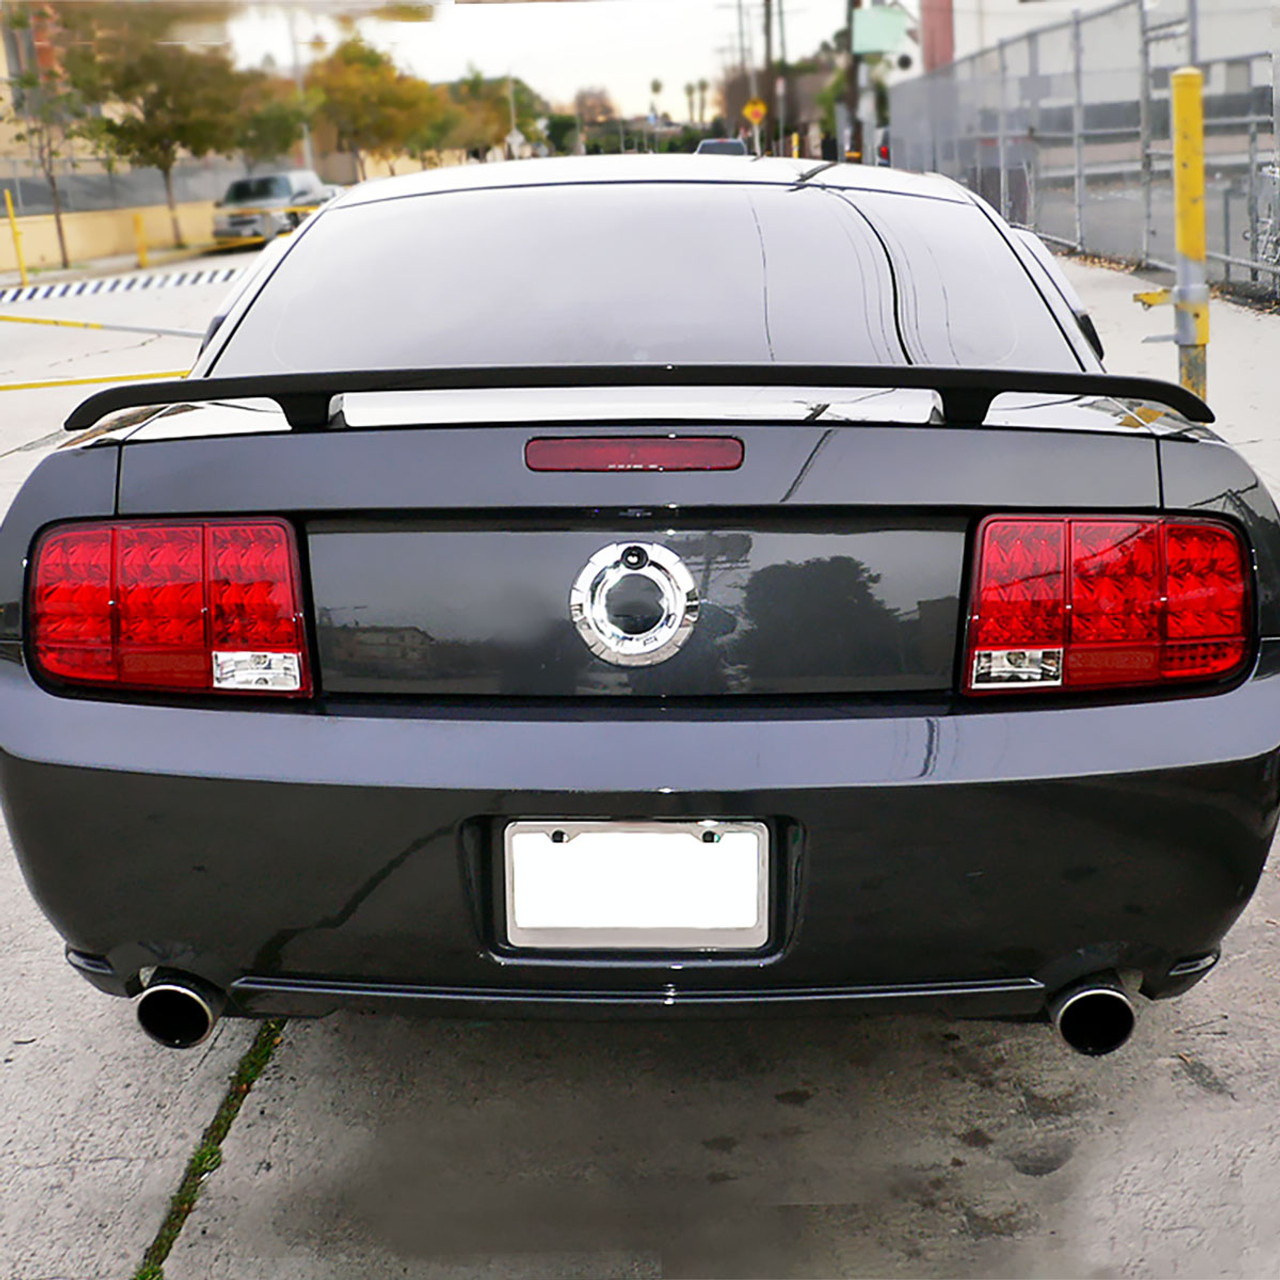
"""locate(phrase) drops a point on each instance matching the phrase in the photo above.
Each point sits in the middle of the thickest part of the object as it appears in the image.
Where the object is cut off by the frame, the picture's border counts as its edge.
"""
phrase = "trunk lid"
(832, 562)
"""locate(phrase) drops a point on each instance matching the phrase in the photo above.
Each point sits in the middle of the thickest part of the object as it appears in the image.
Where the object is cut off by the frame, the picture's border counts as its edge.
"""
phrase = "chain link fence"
(1067, 131)
(89, 186)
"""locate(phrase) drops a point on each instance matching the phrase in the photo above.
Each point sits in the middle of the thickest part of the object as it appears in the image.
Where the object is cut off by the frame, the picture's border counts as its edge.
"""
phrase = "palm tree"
(688, 93)
(703, 86)
(655, 88)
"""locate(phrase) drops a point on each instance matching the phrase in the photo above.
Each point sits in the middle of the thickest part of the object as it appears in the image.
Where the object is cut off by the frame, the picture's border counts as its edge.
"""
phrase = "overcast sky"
(558, 48)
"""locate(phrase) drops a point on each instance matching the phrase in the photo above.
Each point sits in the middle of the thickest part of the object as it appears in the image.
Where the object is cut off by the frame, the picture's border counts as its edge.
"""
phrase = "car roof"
(577, 170)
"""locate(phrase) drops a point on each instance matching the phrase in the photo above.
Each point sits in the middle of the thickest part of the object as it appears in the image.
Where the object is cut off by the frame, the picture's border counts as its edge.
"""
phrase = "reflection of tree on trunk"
(819, 616)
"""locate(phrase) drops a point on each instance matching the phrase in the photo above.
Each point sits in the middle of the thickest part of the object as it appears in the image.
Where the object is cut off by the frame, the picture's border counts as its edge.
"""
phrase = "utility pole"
(770, 97)
(852, 86)
(782, 76)
(749, 71)
(307, 154)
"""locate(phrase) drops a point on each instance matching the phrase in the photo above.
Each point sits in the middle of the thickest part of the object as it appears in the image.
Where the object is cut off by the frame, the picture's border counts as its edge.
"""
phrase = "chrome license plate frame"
(616, 885)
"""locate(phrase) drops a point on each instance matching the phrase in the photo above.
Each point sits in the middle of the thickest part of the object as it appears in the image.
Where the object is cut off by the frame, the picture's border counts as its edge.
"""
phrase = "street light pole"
(771, 98)
(307, 154)
(782, 75)
(852, 86)
(753, 87)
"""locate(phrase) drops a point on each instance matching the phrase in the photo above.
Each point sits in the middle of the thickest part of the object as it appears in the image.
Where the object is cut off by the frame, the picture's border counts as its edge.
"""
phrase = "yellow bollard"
(1190, 293)
(17, 236)
(140, 239)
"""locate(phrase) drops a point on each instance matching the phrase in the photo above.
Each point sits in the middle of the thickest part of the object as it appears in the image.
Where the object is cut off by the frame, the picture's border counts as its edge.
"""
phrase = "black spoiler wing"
(966, 394)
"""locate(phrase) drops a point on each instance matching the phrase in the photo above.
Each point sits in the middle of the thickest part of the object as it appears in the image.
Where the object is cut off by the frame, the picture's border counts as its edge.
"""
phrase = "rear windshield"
(648, 272)
(247, 189)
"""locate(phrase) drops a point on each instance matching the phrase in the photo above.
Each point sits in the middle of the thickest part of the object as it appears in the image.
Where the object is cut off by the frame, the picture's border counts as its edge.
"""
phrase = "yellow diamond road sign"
(755, 110)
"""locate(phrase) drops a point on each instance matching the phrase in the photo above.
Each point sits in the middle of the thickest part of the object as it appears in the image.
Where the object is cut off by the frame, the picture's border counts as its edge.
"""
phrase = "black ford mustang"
(653, 586)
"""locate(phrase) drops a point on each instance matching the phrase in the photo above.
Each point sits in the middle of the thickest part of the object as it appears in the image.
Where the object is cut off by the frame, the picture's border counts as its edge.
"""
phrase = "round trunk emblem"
(634, 603)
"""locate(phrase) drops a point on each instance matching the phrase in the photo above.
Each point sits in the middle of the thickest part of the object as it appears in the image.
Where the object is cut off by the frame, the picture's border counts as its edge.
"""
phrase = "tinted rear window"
(247, 189)
(615, 273)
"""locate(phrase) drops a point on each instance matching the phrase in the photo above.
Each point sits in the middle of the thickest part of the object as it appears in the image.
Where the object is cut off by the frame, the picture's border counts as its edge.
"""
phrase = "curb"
(120, 284)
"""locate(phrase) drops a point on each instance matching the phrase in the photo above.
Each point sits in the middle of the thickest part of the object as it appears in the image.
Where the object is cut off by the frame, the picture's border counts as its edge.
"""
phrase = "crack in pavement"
(207, 1155)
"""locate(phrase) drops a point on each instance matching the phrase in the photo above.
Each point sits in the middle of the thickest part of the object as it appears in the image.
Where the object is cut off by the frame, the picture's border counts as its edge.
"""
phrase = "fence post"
(1275, 84)
(1033, 131)
(1001, 136)
(1144, 126)
(1190, 293)
(17, 236)
(1226, 233)
(1077, 126)
(1254, 251)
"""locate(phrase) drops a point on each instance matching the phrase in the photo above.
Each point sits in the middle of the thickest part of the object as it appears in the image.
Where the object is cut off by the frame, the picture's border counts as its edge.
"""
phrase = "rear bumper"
(969, 862)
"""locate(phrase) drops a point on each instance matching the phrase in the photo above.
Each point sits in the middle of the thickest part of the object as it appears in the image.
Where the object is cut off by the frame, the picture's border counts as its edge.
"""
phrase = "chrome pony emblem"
(634, 604)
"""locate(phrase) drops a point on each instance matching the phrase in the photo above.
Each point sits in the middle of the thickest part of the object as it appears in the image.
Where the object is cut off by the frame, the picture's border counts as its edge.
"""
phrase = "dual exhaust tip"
(179, 1012)
(1094, 1016)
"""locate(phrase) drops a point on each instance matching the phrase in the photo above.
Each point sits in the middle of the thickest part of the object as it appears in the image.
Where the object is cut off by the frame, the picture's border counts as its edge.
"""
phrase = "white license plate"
(669, 886)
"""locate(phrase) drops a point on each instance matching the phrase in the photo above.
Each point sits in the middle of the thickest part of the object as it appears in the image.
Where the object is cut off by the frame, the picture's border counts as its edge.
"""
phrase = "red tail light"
(199, 606)
(634, 453)
(1094, 603)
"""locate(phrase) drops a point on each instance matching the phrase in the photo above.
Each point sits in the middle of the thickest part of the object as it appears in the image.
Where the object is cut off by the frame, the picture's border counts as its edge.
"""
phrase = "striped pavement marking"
(121, 284)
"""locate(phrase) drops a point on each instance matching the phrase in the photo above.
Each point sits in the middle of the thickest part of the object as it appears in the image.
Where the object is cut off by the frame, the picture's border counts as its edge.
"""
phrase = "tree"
(486, 112)
(436, 130)
(48, 110)
(375, 108)
(594, 106)
(655, 88)
(167, 99)
(270, 119)
(703, 86)
(562, 132)
(688, 93)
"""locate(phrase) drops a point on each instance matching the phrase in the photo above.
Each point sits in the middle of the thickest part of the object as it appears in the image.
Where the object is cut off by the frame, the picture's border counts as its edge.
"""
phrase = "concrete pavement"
(382, 1146)
(96, 1124)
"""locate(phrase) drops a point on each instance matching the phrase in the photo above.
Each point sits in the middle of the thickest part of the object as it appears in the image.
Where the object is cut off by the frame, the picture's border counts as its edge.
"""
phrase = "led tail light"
(197, 606)
(634, 453)
(1076, 603)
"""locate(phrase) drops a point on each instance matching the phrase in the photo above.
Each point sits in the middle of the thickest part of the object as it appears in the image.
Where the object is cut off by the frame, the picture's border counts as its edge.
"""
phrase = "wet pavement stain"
(1204, 1076)
(725, 1144)
(794, 1097)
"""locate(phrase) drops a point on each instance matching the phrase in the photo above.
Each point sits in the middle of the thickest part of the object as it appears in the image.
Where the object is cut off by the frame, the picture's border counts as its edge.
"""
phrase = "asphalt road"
(380, 1146)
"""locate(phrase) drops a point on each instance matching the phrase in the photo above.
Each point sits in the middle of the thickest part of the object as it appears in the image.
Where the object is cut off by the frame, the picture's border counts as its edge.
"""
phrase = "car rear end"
(645, 702)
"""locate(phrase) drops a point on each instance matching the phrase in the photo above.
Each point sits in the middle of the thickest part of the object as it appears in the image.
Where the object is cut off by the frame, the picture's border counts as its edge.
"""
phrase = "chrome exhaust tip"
(1094, 1016)
(179, 1013)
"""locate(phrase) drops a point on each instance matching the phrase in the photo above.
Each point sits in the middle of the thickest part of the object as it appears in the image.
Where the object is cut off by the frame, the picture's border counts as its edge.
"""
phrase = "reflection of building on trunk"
(356, 645)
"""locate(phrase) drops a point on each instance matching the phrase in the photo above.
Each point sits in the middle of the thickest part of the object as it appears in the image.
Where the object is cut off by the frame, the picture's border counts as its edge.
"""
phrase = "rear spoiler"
(966, 394)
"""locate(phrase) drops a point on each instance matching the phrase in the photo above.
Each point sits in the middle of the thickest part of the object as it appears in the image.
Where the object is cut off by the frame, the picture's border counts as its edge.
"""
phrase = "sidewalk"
(1244, 354)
